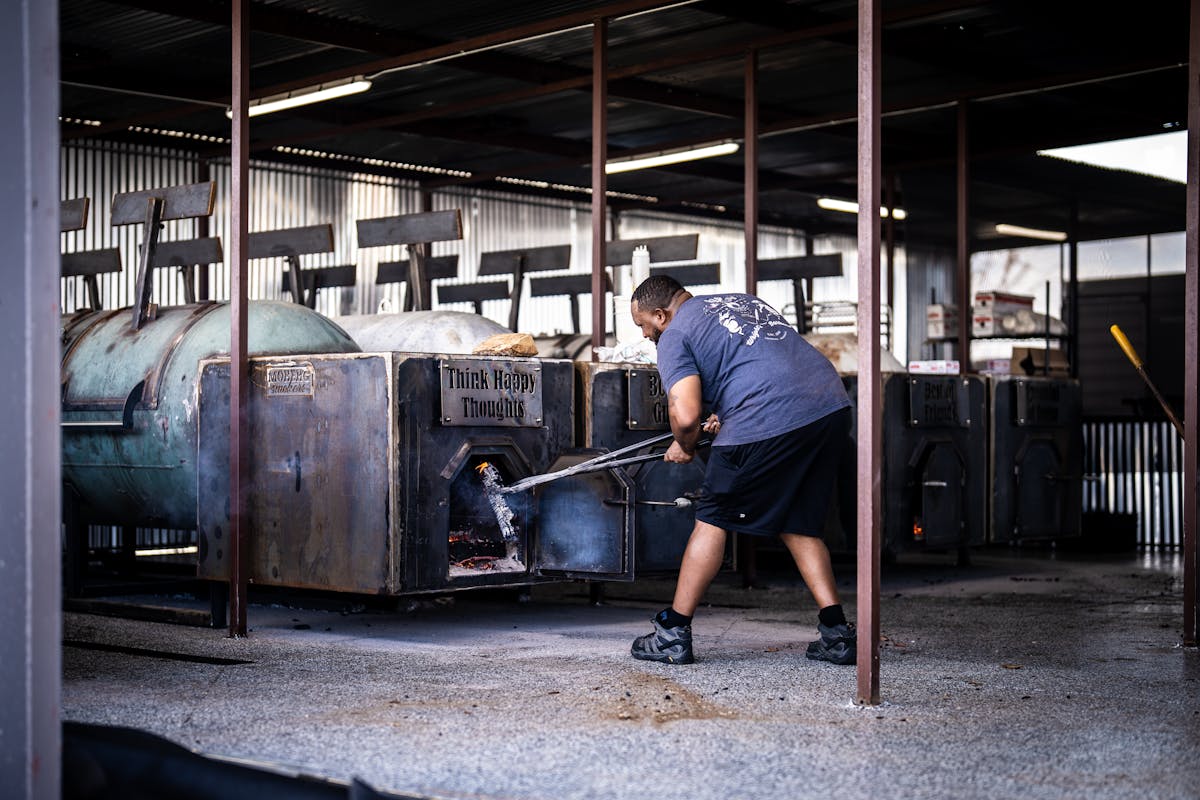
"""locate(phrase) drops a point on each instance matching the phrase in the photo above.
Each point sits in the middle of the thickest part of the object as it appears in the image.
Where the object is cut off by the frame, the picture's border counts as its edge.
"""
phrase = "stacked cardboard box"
(941, 321)
(992, 308)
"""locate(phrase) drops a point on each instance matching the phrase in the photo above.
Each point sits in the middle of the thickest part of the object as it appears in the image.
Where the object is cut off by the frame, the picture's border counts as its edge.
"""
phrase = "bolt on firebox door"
(584, 524)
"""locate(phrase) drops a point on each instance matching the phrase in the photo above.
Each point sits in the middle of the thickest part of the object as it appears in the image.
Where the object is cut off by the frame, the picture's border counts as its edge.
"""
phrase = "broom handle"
(1136, 360)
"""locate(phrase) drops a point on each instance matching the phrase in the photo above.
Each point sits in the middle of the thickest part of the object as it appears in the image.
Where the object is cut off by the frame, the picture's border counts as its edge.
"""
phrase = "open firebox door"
(584, 523)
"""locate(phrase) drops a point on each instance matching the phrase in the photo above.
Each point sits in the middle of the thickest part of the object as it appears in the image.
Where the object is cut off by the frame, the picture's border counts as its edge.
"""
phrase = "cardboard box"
(1032, 361)
(985, 325)
(933, 367)
(1000, 303)
(941, 321)
(994, 366)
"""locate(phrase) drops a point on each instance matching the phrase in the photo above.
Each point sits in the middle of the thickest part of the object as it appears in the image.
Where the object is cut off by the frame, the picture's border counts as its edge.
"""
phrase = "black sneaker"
(837, 645)
(668, 645)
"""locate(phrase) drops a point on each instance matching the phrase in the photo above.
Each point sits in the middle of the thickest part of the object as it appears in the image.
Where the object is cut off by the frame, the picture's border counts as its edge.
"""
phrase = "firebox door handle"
(678, 502)
(936, 484)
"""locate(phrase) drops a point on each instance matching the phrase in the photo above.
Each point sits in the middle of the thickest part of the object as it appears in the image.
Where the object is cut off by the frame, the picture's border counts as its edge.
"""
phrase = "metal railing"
(1136, 467)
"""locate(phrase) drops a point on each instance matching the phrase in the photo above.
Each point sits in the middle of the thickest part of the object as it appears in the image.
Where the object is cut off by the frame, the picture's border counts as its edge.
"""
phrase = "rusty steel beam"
(870, 407)
(239, 464)
(581, 82)
(962, 240)
(750, 158)
(1191, 405)
(470, 45)
(599, 176)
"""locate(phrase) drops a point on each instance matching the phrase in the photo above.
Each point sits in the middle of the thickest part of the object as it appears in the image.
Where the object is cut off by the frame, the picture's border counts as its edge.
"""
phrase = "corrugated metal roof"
(487, 112)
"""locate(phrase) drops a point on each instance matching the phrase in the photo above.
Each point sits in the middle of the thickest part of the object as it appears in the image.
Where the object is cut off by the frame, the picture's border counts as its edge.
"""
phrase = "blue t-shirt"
(756, 372)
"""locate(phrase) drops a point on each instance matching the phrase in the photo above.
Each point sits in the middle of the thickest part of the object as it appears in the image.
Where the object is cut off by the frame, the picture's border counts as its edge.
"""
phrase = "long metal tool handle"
(622, 451)
(591, 465)
(1136, 360)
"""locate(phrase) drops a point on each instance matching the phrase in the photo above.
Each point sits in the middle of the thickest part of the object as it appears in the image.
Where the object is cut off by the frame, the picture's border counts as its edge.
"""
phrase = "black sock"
(830, 616)
(670, 618)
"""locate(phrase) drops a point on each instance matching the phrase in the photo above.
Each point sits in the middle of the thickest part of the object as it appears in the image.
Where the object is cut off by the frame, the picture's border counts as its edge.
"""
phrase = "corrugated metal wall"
(284, 197)
(99, 171)
(931, 276)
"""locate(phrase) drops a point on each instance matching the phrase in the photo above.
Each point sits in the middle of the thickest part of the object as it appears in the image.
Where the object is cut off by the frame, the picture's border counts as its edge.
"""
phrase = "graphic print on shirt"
(747, 317)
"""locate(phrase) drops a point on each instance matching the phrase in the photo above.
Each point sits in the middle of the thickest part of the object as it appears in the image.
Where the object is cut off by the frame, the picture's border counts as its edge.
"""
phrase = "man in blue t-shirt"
(781, 417)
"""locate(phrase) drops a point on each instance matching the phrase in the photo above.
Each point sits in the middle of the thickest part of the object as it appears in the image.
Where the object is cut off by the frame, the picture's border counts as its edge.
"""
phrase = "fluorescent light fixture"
(832, 204)
(670, 157)
(302, 97)
(167, 551)
(1163, 155)
(1031, 233)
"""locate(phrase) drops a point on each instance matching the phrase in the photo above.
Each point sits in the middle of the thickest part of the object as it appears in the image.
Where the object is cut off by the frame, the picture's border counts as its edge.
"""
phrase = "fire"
(483, 465)
(918, 531)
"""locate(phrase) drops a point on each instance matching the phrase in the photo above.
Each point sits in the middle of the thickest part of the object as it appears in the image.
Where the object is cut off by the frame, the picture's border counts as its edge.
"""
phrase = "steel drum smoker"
(129, 432)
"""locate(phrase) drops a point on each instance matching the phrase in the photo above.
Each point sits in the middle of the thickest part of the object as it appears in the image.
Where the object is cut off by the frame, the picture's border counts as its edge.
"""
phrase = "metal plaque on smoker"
(289, 380)
(1037, 402)
(938, 402)
(647, 401)
(498, 393)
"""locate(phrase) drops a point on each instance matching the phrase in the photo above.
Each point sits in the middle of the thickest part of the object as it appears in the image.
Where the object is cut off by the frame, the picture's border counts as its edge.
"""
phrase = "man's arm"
(683, 407)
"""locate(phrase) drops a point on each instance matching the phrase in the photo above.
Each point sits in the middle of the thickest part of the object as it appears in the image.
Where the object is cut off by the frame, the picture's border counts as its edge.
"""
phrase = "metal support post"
(238, 284)
(599, 176)
(963, 242)
(30, 473)
(1191, 404)
(751, 171)
(870, 409)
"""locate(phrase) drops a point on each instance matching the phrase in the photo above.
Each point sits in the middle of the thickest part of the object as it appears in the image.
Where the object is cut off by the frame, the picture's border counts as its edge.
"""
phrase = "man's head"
(654, 303)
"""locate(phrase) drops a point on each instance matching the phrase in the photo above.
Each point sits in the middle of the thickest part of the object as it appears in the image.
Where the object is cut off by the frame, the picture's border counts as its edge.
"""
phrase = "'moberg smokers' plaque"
(289, 380)
(502, 393)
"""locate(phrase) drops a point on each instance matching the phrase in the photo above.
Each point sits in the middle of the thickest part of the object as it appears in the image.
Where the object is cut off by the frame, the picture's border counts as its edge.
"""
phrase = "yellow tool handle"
(1130, 353)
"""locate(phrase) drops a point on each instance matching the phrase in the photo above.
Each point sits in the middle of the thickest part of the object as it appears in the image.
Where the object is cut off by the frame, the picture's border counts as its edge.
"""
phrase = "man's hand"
(711, 425)
(677, 455)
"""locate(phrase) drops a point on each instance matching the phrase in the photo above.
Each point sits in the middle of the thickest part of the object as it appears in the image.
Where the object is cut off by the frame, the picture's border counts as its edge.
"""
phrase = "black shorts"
(779, 485)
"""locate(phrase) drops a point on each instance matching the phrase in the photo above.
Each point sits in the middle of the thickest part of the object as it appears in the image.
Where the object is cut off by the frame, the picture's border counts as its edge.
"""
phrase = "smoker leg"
(748, 561)
(218, 598)
(127, 561)
(75, 544)
(596, 592)
(964, 556)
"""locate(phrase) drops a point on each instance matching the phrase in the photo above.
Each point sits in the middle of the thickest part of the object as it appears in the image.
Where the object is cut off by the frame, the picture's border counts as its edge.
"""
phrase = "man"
(781, 416)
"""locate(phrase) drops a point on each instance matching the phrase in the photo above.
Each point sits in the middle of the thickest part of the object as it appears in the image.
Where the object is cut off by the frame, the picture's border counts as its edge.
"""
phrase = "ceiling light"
(302, 97)
(670, 157)
(1031, 233)
(831, 204)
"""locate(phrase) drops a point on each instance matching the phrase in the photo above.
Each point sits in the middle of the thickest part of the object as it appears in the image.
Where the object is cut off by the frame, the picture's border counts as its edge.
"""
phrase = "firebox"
(934, 465)
(1037, 458)
(363, 474)
(620, 405)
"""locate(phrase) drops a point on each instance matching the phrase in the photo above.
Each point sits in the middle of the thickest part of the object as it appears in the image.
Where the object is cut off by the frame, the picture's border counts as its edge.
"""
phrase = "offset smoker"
(1036, 433)
(934, 464)
(364, 475)
(620, 405)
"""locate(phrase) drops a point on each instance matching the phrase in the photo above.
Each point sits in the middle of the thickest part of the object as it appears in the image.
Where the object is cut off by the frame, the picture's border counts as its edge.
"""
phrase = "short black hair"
(657, 291)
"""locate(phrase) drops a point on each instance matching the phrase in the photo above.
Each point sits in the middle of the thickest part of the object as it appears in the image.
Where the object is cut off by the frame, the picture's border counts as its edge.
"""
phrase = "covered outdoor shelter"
(938, 108)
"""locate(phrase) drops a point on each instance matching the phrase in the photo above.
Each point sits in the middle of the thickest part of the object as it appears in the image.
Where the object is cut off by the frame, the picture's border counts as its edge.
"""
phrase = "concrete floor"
(1022, 676)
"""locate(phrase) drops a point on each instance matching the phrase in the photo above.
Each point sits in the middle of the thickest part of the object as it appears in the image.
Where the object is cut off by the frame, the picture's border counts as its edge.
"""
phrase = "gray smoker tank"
(129, 400)
(449, 332)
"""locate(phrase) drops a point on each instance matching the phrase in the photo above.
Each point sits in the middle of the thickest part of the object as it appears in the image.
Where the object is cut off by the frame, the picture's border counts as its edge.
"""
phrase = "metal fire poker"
(495, 490)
